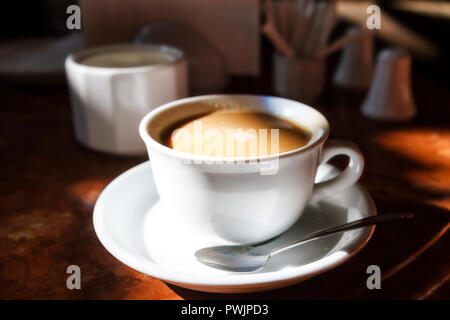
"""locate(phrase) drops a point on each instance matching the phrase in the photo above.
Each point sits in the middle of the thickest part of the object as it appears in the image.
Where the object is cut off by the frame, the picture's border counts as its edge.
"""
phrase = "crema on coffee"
(236, 133)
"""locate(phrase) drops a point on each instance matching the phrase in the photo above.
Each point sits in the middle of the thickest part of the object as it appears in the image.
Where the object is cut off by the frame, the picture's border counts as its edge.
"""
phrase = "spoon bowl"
(233, 258)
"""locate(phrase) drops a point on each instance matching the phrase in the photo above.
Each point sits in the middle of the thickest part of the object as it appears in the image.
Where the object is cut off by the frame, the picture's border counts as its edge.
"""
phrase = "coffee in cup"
(236, 133)
(127, 58)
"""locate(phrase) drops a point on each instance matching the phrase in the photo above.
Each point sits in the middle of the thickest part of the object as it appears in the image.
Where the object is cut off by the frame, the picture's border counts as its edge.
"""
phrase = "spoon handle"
(343, 227)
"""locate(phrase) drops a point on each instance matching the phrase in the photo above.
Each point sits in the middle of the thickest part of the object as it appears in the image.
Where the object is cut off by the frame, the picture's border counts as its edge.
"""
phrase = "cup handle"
(346, 178)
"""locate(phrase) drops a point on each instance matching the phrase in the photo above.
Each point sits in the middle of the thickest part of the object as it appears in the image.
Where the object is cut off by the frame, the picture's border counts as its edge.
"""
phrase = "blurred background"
(420, 26)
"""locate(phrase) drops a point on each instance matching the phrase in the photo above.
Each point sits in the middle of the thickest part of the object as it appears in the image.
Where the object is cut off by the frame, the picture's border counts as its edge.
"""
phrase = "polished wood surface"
(49, 184)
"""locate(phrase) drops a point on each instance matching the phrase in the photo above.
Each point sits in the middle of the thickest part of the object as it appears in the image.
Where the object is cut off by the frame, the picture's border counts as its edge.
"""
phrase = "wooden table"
(49, 184)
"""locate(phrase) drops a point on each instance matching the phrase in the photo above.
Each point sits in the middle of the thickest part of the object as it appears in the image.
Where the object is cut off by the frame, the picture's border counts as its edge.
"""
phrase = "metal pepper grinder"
(390, 95)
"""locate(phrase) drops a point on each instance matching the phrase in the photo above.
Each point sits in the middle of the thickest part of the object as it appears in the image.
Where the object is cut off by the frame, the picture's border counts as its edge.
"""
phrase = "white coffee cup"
(109, 102)
(243, 202)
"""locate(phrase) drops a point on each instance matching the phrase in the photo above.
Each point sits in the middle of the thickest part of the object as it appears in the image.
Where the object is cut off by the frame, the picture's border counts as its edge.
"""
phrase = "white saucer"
(130, 223)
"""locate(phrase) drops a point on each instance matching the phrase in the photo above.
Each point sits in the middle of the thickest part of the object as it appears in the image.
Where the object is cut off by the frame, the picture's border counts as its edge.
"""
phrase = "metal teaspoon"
(244, 258)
